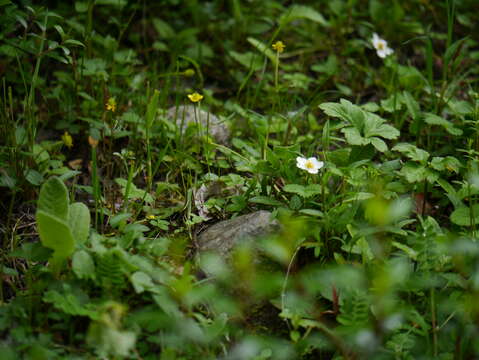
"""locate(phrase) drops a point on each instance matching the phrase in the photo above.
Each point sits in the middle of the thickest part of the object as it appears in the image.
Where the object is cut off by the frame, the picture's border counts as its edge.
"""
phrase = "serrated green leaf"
(433, 119)
(83, 265)
(412, 152)
(303, 191)
(141, 282)
(79, 221)
(302, 12)
(353, 137)
(374, 126)
(53, 198)
(55, 234)
(414, 172)
(379, 144)
(69, 304)
(335, 110)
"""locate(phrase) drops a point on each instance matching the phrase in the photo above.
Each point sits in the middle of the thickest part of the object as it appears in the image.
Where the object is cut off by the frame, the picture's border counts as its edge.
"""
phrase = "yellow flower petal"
(111, 104)
(195, 97)
(67, 139)
(279, 46)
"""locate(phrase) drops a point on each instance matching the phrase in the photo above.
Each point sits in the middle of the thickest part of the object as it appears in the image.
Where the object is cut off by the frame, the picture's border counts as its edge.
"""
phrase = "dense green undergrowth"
(365, 151)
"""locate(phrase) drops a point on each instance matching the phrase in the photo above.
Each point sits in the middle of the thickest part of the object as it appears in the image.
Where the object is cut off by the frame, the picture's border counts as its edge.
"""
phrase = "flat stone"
(222, 237)
(184, 115)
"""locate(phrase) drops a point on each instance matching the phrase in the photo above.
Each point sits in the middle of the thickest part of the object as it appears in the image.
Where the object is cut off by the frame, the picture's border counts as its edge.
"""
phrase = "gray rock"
(184, 115)
(225, 235)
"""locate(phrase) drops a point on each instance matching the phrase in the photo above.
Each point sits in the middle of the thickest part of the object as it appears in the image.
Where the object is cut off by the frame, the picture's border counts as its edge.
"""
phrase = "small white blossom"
(381, 46)
(311, 165)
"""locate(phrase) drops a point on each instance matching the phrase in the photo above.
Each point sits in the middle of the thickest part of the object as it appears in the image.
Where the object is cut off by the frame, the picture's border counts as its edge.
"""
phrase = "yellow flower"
(195, 97)
(111, 104)
(67, 139)
(279, 46)
(151, 217)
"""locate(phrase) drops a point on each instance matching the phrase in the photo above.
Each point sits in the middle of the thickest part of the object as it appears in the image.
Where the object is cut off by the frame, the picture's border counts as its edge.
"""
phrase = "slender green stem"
(433, 322)
(96, 184)
(131, 171)
(276, 72)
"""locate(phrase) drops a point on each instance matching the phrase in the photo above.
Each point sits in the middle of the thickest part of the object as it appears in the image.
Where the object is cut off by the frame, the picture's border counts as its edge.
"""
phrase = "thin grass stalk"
(31, 121)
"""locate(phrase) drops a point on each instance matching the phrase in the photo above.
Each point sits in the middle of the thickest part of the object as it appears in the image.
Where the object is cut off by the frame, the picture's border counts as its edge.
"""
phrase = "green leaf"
(33, 177)
(249, 60)
(303, 191)
(408, 250)
(335, 110)
(134, 192)
(366, 125)
(412, 152)
(69, 304)
(262, 48)
(374, 127)
(353, 137)
(414, 172)
(265, 200)
(379, 144)
(448, 163)
(79, 221)
(433, 119)
(462, 215)
(53, 198)
(83, 265)
(412, 105)
(74, 42)
(311, 212)
(152, 108)
(141, 282)
(302, 12)
(55, 234)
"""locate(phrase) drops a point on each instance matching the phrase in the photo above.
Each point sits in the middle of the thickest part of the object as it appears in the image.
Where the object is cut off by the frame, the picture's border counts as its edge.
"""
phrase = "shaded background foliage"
(378, 255)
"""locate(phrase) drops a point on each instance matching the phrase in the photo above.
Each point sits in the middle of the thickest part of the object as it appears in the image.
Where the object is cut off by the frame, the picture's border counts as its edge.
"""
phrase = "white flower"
(311, 165)
(381, 46)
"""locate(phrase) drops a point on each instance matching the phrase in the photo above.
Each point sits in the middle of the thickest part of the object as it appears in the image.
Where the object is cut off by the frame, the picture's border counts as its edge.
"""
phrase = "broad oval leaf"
(79, 221)
(55, 234)
(53, 198)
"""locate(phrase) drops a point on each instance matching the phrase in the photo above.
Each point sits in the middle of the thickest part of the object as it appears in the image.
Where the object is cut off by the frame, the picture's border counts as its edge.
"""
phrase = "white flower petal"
(301, 162)
(381, 53)
(317, 164)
